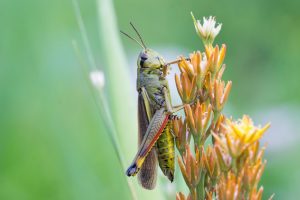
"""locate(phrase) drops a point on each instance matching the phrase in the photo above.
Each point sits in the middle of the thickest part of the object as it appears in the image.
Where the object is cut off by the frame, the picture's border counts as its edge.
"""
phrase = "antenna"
(143, 46)
(138, 35)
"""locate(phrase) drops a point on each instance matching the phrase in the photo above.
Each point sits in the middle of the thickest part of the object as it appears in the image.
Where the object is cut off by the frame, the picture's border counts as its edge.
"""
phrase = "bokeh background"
(54, 142)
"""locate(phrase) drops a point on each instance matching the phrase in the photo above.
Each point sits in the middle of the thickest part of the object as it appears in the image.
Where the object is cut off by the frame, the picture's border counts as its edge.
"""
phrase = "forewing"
(147, 140)
(154, 131)
(148, 172)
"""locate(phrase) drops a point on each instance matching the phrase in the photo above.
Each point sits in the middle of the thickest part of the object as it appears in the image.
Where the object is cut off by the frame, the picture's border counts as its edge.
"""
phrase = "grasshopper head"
(149, 58)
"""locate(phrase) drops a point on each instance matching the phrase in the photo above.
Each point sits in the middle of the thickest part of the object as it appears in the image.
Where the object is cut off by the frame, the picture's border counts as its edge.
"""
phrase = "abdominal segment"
(166, 151)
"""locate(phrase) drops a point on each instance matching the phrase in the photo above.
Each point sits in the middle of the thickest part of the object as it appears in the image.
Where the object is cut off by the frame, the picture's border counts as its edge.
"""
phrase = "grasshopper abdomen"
(166, 151)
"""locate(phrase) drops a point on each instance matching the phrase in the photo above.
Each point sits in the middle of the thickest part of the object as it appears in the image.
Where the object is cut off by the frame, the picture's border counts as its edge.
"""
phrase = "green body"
(155, 126)
(151, 77)
(166, 151)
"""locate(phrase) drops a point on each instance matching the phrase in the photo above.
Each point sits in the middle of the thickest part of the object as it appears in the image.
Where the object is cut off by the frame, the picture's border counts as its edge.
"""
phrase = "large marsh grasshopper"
(155, 113)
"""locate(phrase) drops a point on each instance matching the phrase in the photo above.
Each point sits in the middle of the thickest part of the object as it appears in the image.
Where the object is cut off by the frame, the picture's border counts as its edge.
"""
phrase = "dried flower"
(252, 174)
(192, 77)
(224, 160)
(218, 93)
(215, 58)
(198, 120)
(190, 168)
(210, 161)
(182, 136)
(181, 196)
(257, 195)
(229, 187)
(218, 125)
(200, 67)
(186, 87)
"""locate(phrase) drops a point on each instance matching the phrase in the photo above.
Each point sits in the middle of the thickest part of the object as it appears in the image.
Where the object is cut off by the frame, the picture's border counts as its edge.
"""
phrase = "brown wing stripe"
(155, 129)
(158, 133)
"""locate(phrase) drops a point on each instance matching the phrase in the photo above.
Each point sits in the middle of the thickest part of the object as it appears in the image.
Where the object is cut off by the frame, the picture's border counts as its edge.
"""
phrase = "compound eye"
(143, 59)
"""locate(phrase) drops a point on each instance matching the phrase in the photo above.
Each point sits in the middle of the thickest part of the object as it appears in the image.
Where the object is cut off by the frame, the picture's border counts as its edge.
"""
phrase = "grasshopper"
(155, 114)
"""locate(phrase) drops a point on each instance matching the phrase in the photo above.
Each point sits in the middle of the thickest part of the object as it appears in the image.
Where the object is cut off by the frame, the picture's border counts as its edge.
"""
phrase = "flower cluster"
(240, 159)
(230, 168)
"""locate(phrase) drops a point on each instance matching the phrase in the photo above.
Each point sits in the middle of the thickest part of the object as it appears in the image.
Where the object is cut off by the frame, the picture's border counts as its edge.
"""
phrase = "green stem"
(234, 165)
(100, 100)
(201, 187)
(216, 117)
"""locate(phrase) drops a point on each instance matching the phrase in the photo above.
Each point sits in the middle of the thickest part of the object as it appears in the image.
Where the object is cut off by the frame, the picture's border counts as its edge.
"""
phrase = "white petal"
(203, 62)
(217, 29)
(207, 29)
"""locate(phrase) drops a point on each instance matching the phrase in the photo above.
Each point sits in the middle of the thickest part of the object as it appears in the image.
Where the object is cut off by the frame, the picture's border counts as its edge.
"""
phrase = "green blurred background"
(53, 143)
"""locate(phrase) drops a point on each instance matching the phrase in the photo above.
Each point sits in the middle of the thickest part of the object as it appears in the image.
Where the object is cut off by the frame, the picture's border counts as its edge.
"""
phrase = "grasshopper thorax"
(149, 58)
